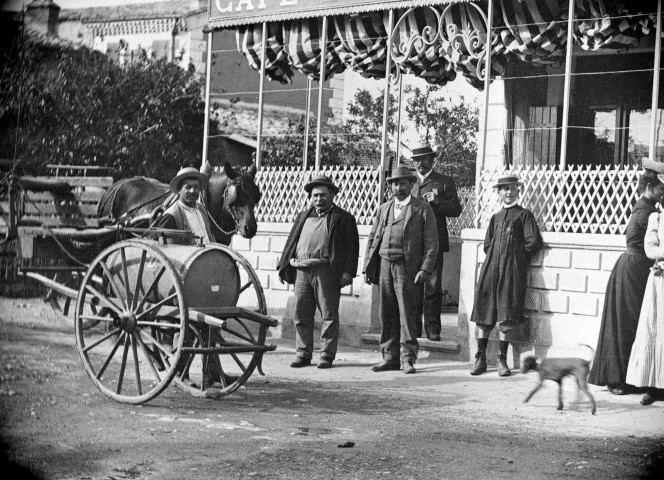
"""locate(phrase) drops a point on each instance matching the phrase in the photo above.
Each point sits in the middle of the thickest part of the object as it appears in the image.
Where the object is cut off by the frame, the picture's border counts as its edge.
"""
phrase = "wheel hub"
(125, 321)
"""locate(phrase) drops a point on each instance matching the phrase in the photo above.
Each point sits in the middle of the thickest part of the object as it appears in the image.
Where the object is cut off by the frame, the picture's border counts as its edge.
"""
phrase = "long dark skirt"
(622, 305)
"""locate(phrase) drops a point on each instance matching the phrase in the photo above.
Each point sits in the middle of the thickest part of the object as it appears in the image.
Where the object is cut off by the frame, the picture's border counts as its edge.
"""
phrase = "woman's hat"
(402, 172)
(657, 167)
(188, 172)
(321, 180)
(421, 150)
(507, 180)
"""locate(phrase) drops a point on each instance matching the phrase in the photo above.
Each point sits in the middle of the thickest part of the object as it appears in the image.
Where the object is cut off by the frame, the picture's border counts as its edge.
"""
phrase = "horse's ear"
(229, 171)
(206, 169)
(252, 170)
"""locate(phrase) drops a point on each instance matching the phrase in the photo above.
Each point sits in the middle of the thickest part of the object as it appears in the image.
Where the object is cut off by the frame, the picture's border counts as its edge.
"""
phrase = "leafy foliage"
(74, 106)
(450, 126)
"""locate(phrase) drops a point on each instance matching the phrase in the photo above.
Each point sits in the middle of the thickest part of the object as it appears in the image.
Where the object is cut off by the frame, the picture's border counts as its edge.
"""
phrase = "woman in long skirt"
(625, 290)
(646, 363)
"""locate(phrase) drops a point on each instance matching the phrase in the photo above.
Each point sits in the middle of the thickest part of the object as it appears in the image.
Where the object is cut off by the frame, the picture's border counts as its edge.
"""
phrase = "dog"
(556, 369)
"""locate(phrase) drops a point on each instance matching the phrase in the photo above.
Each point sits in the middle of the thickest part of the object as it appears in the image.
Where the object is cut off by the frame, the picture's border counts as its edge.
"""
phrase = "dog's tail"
(592, 352)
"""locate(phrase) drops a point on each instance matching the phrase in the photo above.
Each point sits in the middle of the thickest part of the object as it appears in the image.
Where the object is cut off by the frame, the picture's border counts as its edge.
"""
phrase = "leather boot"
(480, 363)
(503, 369)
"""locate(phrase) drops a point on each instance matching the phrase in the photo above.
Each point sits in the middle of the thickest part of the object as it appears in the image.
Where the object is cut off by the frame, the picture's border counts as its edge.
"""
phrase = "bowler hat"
(653, 165)
(401, 172)
(188, 172)
(420, 150)
(507, 180)
(321, 180)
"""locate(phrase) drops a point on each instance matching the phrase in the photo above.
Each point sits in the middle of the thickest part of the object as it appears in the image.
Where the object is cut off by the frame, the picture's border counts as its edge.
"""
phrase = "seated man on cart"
(187, 213)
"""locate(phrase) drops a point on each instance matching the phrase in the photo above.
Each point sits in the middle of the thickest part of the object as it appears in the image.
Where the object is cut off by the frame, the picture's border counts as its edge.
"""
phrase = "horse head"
(232, 198)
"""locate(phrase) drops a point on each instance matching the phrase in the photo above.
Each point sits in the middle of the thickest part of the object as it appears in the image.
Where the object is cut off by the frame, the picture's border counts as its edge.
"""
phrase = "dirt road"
(438, 423)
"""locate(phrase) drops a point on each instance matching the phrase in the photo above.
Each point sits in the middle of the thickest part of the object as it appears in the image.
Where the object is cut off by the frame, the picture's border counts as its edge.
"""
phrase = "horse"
(230, 199)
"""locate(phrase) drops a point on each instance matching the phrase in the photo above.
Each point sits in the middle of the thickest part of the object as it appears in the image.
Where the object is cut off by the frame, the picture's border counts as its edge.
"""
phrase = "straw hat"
(507, 180)
(648, 164)
(421, 150)
(188, 172)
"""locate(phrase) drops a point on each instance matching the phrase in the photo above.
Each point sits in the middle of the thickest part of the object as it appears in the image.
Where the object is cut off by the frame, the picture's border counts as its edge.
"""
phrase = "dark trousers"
(400, 300)
(316, 287)
(433, 301)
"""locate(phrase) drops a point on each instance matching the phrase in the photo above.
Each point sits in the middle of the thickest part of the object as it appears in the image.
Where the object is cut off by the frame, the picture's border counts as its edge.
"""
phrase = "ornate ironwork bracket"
(456, 40)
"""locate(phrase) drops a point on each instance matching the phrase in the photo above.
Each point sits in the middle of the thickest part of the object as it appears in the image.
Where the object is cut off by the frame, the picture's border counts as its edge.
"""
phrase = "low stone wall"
(564, 297)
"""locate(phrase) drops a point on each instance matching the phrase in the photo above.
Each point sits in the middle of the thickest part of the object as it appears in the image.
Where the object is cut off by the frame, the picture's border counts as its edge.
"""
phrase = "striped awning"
(277, 63)
(534, 31)
(431, 45)
(362, 45)
(607, 24)
(303, 43)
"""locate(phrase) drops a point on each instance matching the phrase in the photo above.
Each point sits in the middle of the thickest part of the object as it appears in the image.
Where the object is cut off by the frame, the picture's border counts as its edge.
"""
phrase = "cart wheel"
(61, 304)
(147, 318)
(216, 375)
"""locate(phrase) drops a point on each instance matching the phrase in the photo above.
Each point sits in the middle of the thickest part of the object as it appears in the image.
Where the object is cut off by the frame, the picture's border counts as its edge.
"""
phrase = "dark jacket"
(448, 203)
(420, 239)
(344, 244)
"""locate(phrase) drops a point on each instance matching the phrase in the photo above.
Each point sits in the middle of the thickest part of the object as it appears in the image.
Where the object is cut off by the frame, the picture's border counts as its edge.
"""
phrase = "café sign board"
(227, 13)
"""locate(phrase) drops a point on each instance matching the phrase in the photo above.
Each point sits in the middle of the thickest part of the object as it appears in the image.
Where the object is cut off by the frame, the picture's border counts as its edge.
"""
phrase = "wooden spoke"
(109, 357)
(111, 281)
(141, 266)
(137, 365)
(100, 340)
(123, 365)
(239, 362)
(145, 323)
(155, 282)
(96, 318)
(156, 306)
(104, 300)
(125, 274)
(245, 286)
(237, 334)
(148, 356)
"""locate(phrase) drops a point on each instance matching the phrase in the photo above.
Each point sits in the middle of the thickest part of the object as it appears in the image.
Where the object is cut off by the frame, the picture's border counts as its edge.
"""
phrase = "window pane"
(639, 136)
(605, 137)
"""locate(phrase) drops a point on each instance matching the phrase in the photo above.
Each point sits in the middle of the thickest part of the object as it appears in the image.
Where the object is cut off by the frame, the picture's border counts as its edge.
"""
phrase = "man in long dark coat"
(440, 192)
(320, 258)
(512, 237)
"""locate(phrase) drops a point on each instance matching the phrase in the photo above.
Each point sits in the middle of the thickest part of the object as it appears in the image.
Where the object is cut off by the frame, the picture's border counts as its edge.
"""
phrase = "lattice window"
(284, 196)
(580, 199)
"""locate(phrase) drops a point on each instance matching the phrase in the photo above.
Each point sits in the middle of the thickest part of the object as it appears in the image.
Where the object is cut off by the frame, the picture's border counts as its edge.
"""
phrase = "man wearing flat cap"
(440, 192)
(320, 258)
(400, 258)
(187, 213)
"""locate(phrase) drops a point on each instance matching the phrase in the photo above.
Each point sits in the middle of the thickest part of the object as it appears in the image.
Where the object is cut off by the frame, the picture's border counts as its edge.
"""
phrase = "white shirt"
(423, 177)
(399, 206)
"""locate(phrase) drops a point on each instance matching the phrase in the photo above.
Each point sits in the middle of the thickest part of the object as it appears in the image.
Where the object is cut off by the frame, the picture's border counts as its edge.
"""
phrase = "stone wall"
(564, 297)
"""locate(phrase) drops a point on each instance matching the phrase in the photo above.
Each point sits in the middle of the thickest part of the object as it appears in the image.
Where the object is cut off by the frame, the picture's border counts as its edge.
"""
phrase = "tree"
(449, 125)
(74, 106)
